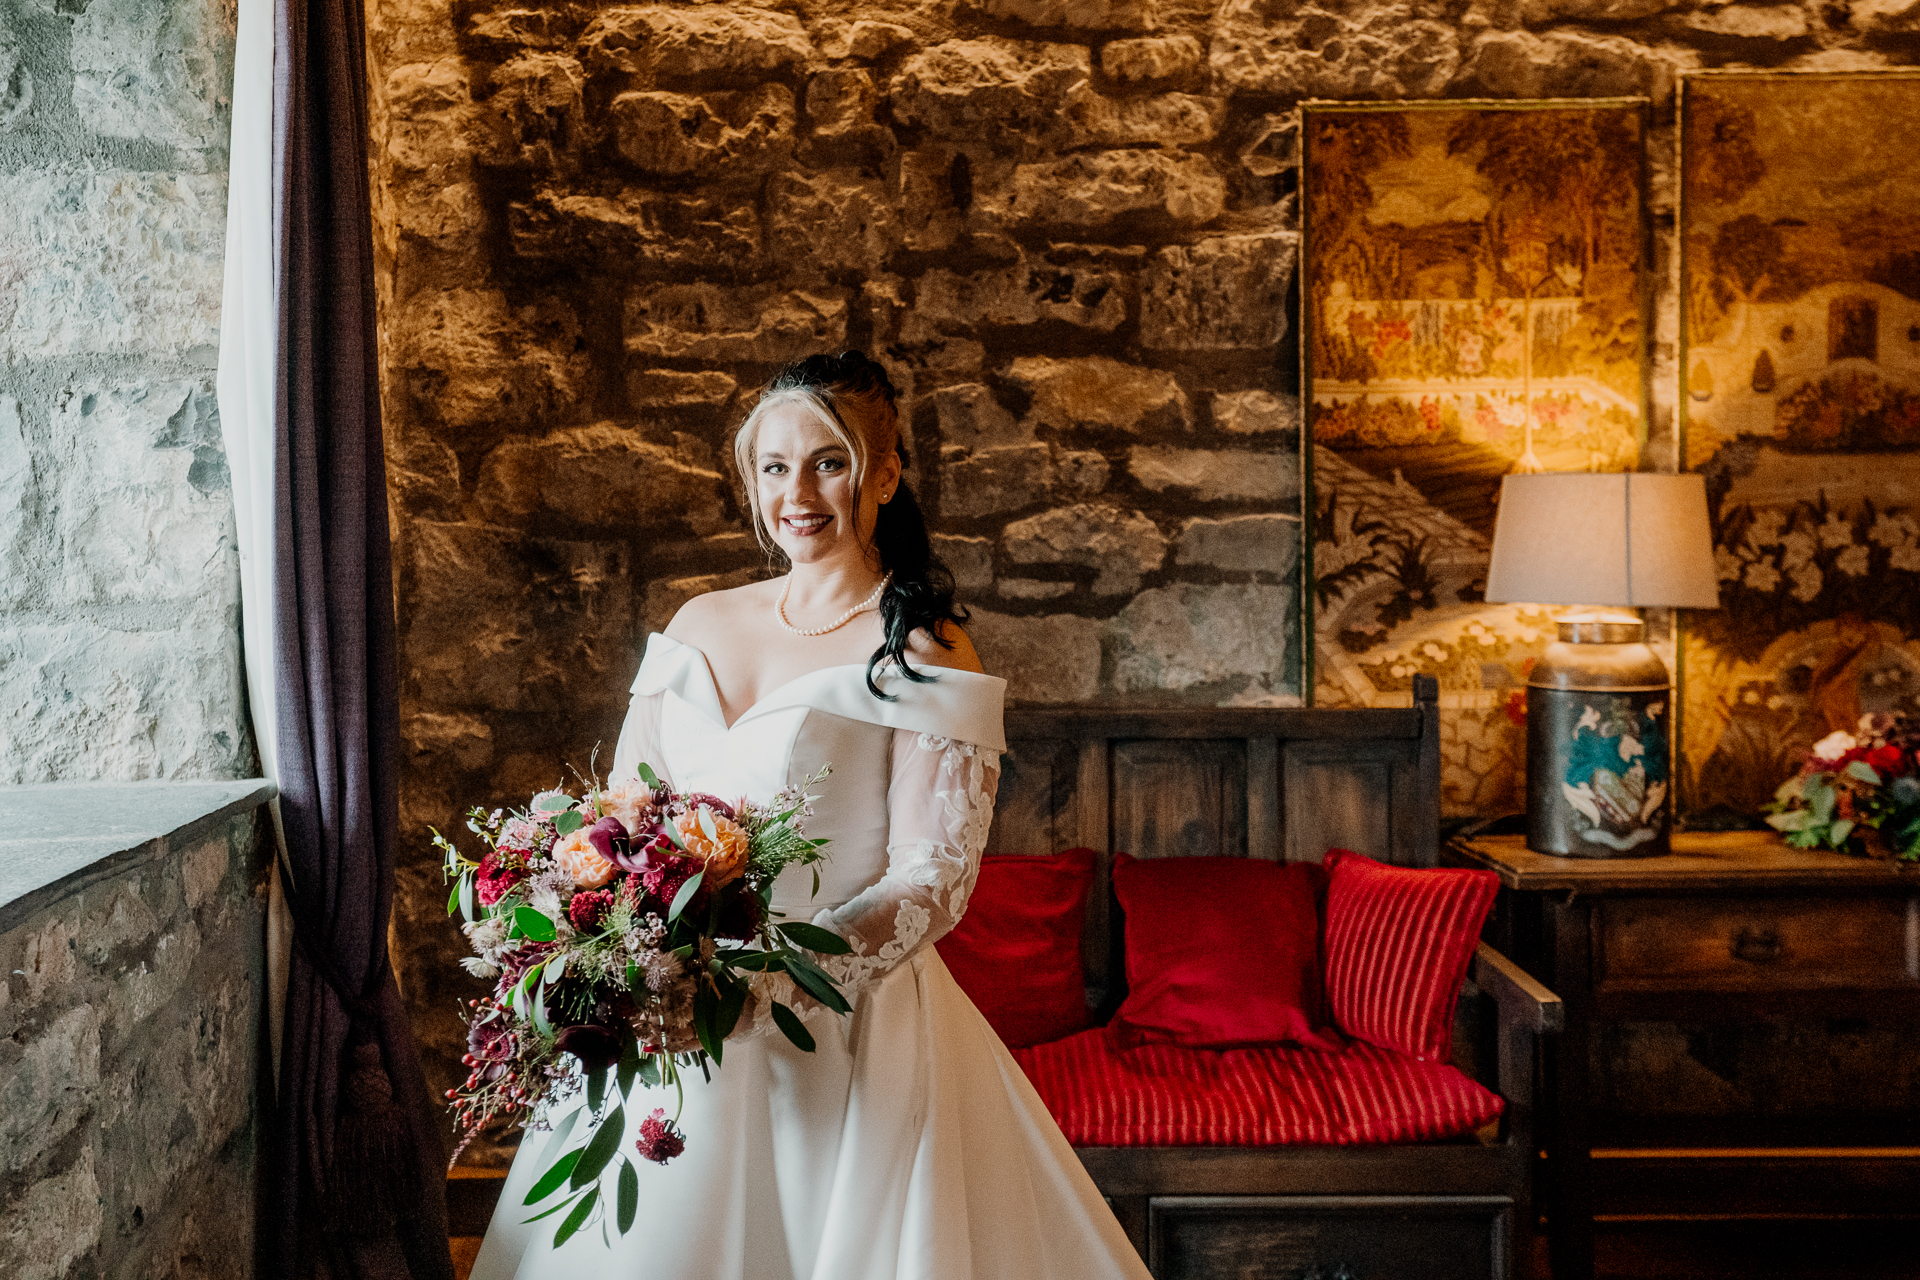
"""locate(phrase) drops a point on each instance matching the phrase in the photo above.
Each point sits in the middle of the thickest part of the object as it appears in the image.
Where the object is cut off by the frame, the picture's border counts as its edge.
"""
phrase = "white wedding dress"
(909, 1145)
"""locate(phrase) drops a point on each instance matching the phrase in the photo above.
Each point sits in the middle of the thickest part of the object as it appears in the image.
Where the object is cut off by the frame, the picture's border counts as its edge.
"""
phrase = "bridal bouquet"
(621, 930)
(1856, 793)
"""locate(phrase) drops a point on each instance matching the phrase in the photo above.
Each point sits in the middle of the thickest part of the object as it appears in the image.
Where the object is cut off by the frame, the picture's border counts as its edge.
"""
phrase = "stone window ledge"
(56, 840)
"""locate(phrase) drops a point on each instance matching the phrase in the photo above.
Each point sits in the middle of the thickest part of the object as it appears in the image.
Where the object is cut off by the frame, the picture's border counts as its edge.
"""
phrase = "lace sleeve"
(940, 805)
(639, 739)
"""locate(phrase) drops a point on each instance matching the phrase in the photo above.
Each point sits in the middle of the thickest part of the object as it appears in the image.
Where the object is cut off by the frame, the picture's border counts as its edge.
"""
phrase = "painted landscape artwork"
(1801, 277)
(1474, 308)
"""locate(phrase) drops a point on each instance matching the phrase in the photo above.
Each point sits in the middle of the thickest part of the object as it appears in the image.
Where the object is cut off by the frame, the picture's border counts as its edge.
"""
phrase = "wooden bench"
(1286, 784)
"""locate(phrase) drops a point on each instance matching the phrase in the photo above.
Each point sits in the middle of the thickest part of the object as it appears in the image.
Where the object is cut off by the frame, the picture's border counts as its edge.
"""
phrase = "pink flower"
(495, 878)
(519, 835)
(660, 1138)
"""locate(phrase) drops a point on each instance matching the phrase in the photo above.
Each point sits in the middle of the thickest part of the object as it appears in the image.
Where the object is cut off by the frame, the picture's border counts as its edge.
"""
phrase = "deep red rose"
(739, 917)
(588, 911)
(660, 1138)
(1888, 761)
(596, 1046)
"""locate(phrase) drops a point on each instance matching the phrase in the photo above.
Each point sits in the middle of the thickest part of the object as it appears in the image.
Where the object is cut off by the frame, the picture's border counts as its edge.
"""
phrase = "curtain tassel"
(369, 1186)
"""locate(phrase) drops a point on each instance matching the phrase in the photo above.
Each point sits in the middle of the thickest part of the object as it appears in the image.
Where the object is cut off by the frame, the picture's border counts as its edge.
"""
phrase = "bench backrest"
(1281, 783)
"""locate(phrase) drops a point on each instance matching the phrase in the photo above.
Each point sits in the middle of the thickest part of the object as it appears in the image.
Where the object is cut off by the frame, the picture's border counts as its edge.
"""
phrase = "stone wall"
(132, 1066)
(1068, 226)
(119, 589)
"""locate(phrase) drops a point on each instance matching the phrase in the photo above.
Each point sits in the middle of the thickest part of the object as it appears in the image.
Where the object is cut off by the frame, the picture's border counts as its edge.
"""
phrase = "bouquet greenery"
(623, 931)
(1856, 793)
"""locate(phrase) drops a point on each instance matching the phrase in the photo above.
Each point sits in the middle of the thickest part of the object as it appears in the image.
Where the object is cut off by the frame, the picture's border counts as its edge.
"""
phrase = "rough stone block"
(1152, 58)
(992, 481)
(151, 72)
(1273, 146)
(1051, 659)
(658, 40)
(600, 477)
(1100, 393)
(450, 219)
(836, 221)
(672, 389)
(1122, 15)
(1217, 474)
(450, 738)
(961, 85)
(1256, 413)
(432, 121)
(936, 190)
(106, 261)
(202, 868)
(1081, 473)
(712, 322)
(19, 500)
(1031, 292)
(675, 133)
(472, 360)
(53, 1225)
(1034, 589)
(1536, 12)
(841, 102)
(865, 39)
(971, 562)
(536, 112)
(1564, 64)
(970, 418)
(1091, 188)
(524, 28)
(503, 622)
(1224, 293)
(1167, 120)
(50, 1083)
(1190, 635)
(1277, 46)
(1121, 545)
(1268, 544)
(636, 229)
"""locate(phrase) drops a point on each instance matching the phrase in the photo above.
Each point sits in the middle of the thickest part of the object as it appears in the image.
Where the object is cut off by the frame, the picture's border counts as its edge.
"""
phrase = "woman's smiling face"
(804, 478)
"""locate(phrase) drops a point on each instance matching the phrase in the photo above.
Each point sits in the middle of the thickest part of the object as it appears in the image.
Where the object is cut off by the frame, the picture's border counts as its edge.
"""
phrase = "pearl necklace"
(871, 602)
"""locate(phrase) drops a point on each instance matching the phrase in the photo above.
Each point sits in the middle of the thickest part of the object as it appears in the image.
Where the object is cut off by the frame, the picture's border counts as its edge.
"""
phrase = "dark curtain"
(355, 1166)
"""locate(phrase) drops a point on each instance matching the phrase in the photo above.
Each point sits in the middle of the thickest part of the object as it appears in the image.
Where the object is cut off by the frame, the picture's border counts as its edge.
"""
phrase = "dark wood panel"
(1466, 1168)
(1184, 799)
(1217, 722)
(1036, 811)
(1338, 796)
(1293, 1238)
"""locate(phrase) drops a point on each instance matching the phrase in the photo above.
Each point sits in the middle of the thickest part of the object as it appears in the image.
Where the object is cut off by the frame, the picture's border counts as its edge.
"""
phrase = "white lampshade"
(1619, 539)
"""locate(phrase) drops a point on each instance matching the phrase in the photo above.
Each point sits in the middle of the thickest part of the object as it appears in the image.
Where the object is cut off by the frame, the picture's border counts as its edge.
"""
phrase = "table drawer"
(1329, 1237)
(1736, 943)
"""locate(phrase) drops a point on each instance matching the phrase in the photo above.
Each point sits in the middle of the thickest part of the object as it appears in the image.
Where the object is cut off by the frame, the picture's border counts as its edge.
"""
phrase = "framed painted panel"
(1800, 287)
(1475, 305)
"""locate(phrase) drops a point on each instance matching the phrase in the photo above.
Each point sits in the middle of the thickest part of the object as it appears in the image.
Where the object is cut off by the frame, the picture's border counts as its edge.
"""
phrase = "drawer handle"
(1757, 946)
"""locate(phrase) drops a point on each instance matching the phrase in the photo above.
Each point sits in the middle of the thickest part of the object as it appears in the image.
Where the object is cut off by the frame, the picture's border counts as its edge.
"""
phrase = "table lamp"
(1599, 701)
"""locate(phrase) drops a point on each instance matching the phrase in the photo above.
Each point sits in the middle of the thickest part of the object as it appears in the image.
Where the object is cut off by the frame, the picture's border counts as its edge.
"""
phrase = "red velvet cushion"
(1166, 1095)
(1016, 951)
(1398, 943)
(1220, 951)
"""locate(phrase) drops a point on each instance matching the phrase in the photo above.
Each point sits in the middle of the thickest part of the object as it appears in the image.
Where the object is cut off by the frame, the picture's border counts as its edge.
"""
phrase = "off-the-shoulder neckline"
(705, 693)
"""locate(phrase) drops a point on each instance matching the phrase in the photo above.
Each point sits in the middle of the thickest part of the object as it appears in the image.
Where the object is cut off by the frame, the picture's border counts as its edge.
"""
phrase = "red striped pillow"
(1398, 942)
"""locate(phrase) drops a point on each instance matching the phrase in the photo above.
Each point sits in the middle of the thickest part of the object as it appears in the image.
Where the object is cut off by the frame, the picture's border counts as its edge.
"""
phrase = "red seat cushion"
(1016, 951)
(1167, 1095)
(1398, 941)
(1220, 952)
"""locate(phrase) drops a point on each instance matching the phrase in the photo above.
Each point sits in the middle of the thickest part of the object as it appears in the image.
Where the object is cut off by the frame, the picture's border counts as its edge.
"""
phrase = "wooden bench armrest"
(1519, 997)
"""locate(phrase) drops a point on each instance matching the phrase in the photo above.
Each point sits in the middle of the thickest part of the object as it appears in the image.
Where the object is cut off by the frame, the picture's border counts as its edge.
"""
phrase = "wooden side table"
(1728, 926)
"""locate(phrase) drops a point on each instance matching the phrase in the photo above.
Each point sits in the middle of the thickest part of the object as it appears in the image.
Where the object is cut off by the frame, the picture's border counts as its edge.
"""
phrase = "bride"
(908, 1145)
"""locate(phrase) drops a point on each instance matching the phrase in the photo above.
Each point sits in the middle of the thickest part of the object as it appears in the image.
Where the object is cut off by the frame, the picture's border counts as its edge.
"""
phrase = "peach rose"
(630, 801)
(574, 854)
(724, 858)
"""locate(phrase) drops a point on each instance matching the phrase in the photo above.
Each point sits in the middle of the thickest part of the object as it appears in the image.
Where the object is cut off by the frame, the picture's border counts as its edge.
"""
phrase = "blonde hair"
(863, 423)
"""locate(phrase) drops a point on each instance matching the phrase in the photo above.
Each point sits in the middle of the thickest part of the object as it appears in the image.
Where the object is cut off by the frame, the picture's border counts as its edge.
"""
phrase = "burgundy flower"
(663, 876)
(607, 835)
(596, 1046)
(695, 799)
(739, 916)
(490, 1046)
(495, 878)
(588, 910)
(660, 1138)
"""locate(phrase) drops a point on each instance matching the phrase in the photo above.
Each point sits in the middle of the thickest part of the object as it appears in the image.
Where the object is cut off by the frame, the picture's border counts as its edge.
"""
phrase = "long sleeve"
(940, 806)
(639, 739)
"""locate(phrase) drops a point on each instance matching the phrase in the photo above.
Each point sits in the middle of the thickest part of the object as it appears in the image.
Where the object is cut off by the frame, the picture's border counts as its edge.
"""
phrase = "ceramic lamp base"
(1599, 783)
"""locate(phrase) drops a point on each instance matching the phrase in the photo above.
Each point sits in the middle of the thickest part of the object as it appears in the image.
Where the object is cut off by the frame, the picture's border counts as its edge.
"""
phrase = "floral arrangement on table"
(1857, 793)
(622, 930)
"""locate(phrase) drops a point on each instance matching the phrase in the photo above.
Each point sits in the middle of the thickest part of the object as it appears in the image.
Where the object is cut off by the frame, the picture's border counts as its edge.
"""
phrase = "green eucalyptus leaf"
(550, 802)
(569, 822)
(682, 898)
(817, 984)
(629, 1196)
(1861, 771)
(453, 899)
(601, 1147)
(629, 1065)
(731, 1006)
(1837, 833)
(1820, 798)
(792, 1028)
(647, 775)
(673, 834)
(650, 1071)
(596, 1090)
(1793, 820)
(814, 938)
(576, 1218)
(706, 1006)
(565, 1203)
(550, 1180)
